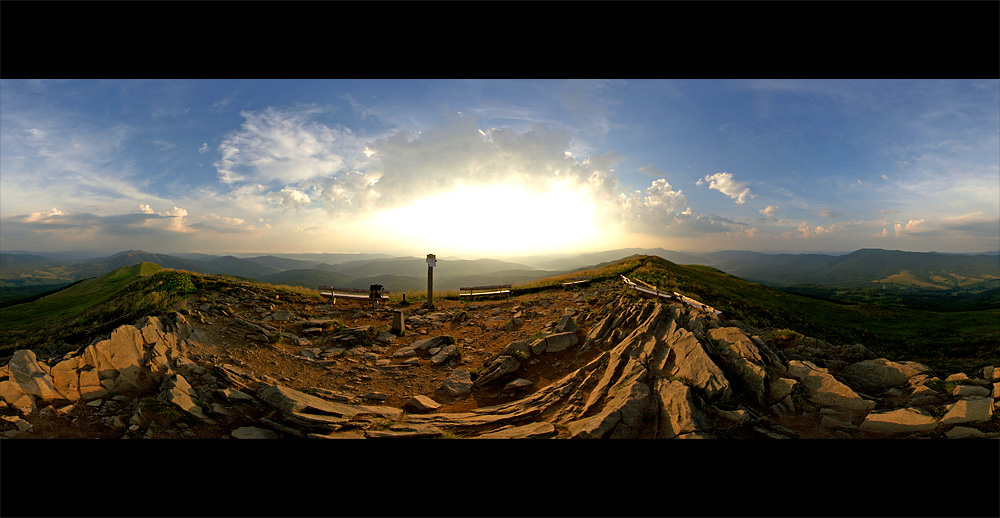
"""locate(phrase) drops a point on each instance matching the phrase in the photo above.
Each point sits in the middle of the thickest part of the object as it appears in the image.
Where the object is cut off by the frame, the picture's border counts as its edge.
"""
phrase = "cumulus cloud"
(769, 211)
(910, 226)
(290, 198)
(724, 183)
(177, 221)
(284, 146)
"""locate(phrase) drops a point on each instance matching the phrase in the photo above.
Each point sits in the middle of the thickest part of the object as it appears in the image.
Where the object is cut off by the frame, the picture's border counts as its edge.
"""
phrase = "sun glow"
(493, 219)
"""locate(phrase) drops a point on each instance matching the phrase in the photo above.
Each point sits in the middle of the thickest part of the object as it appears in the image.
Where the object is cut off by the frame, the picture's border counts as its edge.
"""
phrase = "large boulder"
(177, 391)
(560, 341)
(621, 418)
(685, 357)
(566, 325)
(741, 360)
(878, 375)
(824, 390)
(30, 378)
(901, 420)
(678, 413)
(458, 383)
(969, 410)
(444, 354)
(66, 378)
(497, 369)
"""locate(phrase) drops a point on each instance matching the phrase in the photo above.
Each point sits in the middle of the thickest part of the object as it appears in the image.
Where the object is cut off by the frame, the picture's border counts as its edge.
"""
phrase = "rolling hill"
(87, 307)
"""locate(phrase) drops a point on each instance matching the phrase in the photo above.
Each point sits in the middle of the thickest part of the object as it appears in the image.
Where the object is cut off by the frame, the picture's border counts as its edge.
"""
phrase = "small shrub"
(782, 334)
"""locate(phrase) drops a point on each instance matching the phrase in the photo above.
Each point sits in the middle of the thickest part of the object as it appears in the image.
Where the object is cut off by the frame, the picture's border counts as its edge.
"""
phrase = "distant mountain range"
(28, 273)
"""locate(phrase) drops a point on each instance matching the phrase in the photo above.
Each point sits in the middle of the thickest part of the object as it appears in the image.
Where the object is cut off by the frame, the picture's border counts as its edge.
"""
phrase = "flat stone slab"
(406, 431)
(903, 420)
(252, 432)
(970, 410)
(422, 404)
(540, 430)
(291, 401)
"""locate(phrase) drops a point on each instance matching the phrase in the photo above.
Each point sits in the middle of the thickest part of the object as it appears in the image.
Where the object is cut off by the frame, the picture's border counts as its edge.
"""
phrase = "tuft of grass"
(163, 409)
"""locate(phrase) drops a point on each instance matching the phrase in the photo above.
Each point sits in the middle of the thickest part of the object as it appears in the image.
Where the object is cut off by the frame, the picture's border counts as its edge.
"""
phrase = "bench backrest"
(343, 290)
(478, 288)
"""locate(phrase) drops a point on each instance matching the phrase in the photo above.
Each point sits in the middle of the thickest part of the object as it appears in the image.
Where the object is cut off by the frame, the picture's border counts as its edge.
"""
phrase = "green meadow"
(92, 306)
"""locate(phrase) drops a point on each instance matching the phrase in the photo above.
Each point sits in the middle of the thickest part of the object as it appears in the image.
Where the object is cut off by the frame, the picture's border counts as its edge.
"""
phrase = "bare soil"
(479, 337)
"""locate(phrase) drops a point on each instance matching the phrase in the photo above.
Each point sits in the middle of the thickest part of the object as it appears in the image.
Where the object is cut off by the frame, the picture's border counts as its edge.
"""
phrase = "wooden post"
(431, 263)
(398, 322)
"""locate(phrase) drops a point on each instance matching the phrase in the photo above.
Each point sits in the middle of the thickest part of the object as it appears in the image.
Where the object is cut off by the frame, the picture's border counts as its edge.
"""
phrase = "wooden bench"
(346, 293)
(573, 281)
(496, 289)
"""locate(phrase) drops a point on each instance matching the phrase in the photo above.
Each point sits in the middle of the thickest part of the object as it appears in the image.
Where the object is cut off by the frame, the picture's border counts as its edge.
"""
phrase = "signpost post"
(431, 263)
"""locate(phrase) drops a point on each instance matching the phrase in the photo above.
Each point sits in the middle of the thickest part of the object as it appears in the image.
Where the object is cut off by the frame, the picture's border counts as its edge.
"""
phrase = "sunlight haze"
(490, 168)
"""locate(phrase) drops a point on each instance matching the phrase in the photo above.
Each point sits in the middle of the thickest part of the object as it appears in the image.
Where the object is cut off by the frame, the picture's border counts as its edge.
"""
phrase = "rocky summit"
(602, 361)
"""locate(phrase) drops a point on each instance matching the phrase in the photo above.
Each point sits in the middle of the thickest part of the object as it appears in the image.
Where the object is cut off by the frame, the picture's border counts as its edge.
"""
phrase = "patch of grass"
(163, 409)
(382, 424)
(937, 412)
(944, 387)
(783, 334)
(685, 380)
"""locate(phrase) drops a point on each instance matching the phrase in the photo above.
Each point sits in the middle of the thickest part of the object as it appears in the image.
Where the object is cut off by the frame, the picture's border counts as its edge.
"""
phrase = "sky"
(495, 168)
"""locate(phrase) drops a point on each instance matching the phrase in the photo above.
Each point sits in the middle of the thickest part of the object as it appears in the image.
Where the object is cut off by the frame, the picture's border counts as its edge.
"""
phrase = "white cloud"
(290, 198)
(286, 146)
(769, 211)
(177, 222)
(204, 148)
(43, 215)
(724, 183)
(910, 226)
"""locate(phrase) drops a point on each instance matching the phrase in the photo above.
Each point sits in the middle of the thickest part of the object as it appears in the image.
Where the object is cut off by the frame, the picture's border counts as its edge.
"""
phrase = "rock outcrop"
(649, 369)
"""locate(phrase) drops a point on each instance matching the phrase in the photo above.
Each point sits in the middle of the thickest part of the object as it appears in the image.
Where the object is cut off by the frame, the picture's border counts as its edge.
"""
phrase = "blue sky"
(499, 167)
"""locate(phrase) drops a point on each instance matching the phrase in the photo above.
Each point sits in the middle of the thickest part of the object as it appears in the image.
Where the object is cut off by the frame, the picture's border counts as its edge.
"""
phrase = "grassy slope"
(943, 340)
(91, 305)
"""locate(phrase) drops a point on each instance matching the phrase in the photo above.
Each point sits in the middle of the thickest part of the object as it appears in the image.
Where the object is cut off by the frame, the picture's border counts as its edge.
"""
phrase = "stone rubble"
(634, 368)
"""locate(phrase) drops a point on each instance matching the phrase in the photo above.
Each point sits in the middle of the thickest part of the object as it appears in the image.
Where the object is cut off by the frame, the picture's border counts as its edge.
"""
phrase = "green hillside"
(942, 340)
(866, 268)
(92, 306)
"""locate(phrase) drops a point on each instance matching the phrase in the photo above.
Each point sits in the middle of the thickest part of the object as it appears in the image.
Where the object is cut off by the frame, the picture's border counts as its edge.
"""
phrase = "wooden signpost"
(431, 263)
